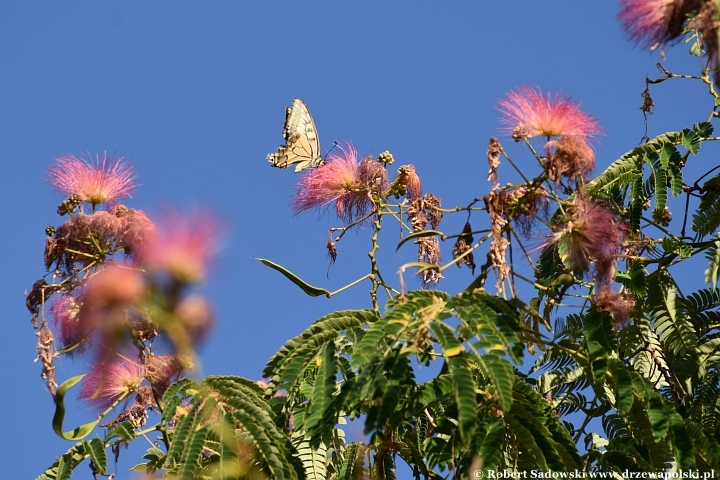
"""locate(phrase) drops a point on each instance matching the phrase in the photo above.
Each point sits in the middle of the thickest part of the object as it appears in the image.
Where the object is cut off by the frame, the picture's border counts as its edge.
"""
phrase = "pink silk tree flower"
(528, 112)
(342, 181)
(590, 232)
(653, 22)
(94, 182)
(137, 231)
(609, 300)
(106, 383)
(182, 245)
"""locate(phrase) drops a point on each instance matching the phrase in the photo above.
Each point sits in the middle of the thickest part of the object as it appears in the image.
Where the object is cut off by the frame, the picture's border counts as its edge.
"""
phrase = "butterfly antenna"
(335, 144)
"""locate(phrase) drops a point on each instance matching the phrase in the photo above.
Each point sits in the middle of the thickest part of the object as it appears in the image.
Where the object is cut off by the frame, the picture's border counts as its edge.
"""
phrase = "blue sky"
(194, 95)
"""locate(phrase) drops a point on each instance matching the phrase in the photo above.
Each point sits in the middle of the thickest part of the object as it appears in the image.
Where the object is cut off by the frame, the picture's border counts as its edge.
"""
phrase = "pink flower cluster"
(528, 112)
(107, 302)
(592, 234)
(344, 181)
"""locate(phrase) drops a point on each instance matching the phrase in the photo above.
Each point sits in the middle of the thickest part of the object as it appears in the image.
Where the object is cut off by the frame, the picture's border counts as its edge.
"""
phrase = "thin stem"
(352, 284)
(507, 157)
(374, 271)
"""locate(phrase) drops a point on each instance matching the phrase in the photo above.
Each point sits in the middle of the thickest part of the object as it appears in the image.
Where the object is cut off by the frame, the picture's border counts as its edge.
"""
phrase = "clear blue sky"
(194, 94)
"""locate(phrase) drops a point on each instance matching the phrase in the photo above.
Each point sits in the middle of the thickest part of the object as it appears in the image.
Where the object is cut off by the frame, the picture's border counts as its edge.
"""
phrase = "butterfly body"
(302, 144)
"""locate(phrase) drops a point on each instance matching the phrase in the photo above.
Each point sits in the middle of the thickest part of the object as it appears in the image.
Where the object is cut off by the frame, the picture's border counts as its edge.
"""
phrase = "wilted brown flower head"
(85, 238)
(496, 204)
(493, 156)
(137, 229)
(524, 205)
(420, 212)
(570, 157)
(409, 180)
(162, 370)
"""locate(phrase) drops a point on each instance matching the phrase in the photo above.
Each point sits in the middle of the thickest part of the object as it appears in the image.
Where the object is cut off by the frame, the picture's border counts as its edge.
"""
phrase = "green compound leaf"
(684, 450)
(306, 287)
(713, 257)
(622, 386)
(64, 465)
(96, 449)
(80, 432)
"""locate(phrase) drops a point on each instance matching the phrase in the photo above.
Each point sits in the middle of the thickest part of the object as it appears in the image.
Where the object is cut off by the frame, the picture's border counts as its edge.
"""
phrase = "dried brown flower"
(421, 212)
(570, 157)
(493, 156)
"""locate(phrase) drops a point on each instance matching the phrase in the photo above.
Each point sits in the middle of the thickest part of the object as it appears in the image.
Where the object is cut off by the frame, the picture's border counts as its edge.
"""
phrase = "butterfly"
(302, 145)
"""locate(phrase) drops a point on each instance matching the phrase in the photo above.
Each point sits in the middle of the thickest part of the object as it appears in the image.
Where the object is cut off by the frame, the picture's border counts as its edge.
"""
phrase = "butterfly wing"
(302, 144)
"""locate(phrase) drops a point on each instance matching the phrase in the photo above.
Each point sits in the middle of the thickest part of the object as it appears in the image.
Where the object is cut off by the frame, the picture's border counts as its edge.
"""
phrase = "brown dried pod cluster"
(421, 212)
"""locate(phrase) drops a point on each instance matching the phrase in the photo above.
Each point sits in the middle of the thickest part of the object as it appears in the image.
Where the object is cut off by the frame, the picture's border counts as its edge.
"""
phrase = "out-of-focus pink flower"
(646, 21)
(64, 311)
(108, 295)
(106, 383)
(591, 232)
(528, 112)
(196, 316)
(653, 22)
(182, 245)
(93, 181)
(343, 181)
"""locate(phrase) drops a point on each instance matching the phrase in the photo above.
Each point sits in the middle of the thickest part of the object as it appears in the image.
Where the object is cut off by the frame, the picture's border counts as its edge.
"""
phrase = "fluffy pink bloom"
(64, 311)
(649, 22)
(182, 245)
(591, 233)
(343, 181)
(106, 383)
(608, 300)
(94, 182)
(137, 229)
(528, 112)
